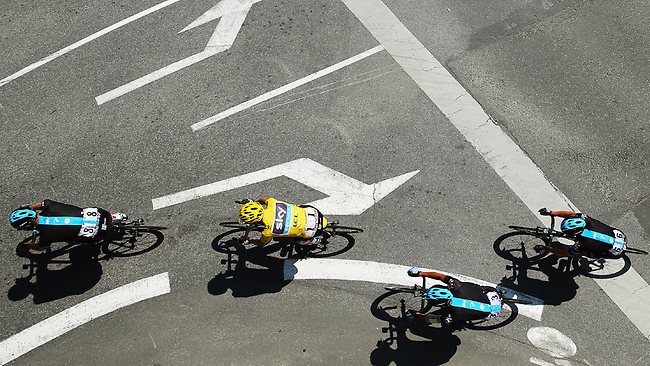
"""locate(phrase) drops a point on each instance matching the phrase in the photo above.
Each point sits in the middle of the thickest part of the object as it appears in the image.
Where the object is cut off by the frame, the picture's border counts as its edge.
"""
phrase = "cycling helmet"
(438, 294)
(22, 219)
(573, 225)
(251, 212)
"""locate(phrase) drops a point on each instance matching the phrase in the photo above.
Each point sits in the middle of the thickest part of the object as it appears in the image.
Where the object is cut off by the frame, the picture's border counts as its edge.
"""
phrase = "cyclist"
(57, 222)
(459, 302)
(283, 220)
(592, 237)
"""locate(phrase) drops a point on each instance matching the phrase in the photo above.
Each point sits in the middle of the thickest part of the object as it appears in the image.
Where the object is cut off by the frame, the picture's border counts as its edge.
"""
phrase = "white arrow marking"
(82, 42)
(232, 14)
(63, 322)
(283, 89)
(347, 196)
(388, 273)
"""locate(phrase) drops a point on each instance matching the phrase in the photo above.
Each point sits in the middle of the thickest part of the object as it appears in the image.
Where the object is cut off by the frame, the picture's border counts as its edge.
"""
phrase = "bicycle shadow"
(437, 348)
(251, 272)
(82, 273)
(558, 287)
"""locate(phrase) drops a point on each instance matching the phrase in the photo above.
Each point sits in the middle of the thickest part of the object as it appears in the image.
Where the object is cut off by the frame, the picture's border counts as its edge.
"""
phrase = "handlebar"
(242, 201)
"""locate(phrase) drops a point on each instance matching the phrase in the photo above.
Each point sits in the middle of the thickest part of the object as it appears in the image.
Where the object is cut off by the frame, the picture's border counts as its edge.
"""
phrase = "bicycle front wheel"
(518, 246)
(391, 305)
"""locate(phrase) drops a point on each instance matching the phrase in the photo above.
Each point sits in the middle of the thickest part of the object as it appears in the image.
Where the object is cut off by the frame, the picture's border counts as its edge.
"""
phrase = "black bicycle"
(528, 245)
(393, 305)
(334, 239)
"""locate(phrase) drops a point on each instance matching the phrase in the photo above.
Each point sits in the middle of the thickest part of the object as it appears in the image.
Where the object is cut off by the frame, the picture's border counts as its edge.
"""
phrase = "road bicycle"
(334, 239)
(520, 245)
(125, 239)
(393, 305)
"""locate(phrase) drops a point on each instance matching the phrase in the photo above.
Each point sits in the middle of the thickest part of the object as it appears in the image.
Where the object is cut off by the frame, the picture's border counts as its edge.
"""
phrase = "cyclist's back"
(63, 222)
(282, 219)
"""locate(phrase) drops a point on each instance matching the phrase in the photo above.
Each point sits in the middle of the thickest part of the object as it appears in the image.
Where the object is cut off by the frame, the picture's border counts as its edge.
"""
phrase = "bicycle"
(123, 240)
(392, 306)
(519, 248)
(335, 239)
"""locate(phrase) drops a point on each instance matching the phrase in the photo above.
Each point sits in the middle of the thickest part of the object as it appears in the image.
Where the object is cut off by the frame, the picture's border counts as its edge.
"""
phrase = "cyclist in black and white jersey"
(53, 221)
(592, 237)
(459, 302)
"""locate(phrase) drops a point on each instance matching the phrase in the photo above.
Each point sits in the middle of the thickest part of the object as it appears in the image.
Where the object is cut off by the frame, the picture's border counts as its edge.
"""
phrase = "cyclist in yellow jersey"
(283, 220)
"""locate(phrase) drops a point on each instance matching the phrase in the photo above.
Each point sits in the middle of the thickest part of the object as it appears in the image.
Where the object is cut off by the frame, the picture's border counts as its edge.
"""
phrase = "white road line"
(387, 273)
(61, 323)
(630, 291)
(82, 42)
(273, 93)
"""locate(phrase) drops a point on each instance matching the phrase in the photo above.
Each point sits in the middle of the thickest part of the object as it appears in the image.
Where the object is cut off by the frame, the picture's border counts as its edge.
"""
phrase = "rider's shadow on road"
(560, 285)
(437, 348)
(83, 272)
(252, 272)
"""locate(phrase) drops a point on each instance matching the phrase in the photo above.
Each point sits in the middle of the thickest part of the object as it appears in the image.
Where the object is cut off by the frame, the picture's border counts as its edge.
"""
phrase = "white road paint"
(61, 323)
(553, 342)
(629, 291)
(232, 14)
(388, 273)
(539, 362)
(346, 195)
(283, 89)
(82, 42)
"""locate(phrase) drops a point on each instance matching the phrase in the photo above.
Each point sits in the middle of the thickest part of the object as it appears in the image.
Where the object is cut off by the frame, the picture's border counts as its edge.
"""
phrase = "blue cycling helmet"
(573, 225)
(437, 294)
(22, 219)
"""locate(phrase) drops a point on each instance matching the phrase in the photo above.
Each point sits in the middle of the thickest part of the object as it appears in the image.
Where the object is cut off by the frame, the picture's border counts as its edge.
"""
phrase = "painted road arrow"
(232, 14)
(346, 195)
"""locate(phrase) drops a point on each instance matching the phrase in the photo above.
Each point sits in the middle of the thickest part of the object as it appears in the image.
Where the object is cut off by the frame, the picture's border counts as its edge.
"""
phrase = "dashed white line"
(61, 323)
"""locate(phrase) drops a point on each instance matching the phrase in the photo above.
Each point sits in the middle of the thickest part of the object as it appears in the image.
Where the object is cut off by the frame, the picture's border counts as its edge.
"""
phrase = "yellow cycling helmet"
(251, 212)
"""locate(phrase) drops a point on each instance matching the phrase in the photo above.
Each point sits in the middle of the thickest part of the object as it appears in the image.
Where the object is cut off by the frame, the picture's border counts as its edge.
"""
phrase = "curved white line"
(61, 323)
(388, 273)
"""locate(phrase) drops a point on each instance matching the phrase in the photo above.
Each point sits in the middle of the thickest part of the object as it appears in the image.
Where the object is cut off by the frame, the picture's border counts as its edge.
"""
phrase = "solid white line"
(61, 323)
(82, 42)
(388, 273)
(149, 78)
(273, 93)
(516, 169)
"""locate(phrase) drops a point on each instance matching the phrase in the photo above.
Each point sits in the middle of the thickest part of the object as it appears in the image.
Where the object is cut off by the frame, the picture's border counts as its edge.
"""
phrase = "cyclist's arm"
(36, 205)
(564, 214)
(262, 200)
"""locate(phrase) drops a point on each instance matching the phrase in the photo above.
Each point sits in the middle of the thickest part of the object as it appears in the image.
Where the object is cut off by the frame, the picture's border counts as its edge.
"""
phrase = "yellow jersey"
(283, 219)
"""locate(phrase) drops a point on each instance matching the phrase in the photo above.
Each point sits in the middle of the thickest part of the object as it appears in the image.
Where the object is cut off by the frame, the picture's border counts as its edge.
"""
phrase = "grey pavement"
(566, 79)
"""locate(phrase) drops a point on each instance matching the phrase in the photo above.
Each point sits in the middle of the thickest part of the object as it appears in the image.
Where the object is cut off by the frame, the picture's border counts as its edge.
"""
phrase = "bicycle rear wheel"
(133, 239)
(506, 316)
(340, 229)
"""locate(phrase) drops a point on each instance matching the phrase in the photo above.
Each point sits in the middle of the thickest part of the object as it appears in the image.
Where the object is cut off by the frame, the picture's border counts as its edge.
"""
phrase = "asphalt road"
(567, 80)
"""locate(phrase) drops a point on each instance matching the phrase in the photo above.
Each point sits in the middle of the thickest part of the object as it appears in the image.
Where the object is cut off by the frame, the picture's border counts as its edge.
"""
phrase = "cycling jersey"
(472, 302)
(283, 219)
(62, 222)
(599, 238)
